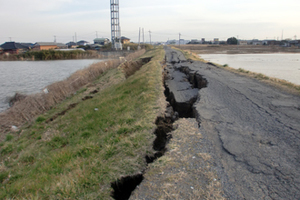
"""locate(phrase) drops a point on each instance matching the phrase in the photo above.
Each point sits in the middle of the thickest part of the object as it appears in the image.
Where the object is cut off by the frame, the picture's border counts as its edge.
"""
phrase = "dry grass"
(32, 105)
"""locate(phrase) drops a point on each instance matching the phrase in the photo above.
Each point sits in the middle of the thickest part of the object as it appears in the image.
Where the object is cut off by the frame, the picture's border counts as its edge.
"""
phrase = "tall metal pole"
(139, 38)
(179, 39)
(115, 24)
(143, 38)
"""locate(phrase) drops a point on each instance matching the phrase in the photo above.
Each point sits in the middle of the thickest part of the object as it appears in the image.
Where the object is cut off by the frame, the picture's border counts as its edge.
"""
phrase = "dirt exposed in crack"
(131, 67)
(87, 97)
(122, 188)
(184, 171)
(180, 106)
(71, 106)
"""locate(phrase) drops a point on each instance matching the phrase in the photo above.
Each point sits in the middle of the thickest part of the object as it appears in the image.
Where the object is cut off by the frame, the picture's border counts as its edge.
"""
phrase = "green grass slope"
(88, 145)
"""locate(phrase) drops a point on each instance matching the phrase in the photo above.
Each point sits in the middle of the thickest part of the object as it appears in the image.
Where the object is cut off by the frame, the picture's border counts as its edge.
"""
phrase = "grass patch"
(78, 154)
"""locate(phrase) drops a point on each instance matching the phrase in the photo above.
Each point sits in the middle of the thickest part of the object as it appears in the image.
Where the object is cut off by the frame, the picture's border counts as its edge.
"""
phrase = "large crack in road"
(252, 130)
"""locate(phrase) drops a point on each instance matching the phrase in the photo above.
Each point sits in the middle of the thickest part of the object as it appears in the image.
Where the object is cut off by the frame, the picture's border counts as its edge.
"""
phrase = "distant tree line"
(232, 41)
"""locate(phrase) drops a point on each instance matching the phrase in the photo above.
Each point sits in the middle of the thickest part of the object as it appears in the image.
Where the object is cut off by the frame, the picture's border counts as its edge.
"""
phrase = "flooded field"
(280, 65)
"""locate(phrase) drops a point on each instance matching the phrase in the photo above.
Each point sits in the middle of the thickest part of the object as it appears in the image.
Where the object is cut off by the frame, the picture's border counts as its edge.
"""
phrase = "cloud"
(165, 18)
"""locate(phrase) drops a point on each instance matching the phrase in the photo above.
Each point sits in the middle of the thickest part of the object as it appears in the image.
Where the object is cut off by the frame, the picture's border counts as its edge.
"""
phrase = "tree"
(232, 41)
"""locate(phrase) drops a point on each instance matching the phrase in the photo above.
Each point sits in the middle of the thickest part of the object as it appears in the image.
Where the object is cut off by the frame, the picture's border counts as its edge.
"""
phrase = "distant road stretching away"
(252, 131)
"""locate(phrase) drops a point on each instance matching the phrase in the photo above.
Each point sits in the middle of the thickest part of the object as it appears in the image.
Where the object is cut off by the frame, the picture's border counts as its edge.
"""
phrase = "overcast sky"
(39, 20)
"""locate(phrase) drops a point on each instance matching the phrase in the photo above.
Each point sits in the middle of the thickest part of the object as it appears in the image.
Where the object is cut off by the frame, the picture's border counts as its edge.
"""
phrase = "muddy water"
(32, 76)
(282, 66)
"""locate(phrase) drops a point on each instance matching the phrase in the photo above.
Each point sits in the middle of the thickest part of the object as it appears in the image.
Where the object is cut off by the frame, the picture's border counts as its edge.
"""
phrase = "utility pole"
(179, 39)
(54, 38)
(139, 47)
(75, 37)
(143, 38)
(150, 36)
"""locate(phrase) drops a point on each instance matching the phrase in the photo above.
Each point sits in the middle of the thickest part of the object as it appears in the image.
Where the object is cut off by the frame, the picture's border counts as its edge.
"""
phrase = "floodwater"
(29, 77)
(280, 65)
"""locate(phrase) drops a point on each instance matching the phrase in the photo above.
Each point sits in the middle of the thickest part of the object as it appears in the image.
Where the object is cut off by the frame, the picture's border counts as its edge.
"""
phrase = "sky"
(41, 20)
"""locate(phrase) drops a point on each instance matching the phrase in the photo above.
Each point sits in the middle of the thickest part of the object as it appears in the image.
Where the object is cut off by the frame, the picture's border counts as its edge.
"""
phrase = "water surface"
(32, 76)
(280, 65)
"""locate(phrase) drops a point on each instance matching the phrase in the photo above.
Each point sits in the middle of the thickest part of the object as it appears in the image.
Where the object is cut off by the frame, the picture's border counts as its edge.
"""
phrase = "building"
(101, 41)
(72, 45)
(256, 42)
(45, 45)
(216, 41)
(243, 42)
(49, 45)
(195, 41)
(29, 45)
(61, 46)
(13, 47)
(125, 40)
(82, 43)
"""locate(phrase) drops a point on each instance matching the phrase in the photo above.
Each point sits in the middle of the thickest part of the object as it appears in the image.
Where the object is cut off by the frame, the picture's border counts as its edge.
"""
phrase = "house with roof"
(49, 45)
(61, 46)
(125, 40)
(101, 41)
(72, 45)
(13, 47)
(44, 46)
(82, 43)
(29, 45)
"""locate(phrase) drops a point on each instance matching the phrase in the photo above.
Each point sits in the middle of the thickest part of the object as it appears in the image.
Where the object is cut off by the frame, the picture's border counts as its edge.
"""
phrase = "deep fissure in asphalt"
(123, 187)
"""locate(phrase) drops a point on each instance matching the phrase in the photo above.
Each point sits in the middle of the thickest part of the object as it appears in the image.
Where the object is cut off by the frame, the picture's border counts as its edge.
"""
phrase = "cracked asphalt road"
(252, 132)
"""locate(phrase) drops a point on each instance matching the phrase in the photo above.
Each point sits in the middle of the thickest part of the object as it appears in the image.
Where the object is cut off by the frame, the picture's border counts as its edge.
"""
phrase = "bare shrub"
(32, 105)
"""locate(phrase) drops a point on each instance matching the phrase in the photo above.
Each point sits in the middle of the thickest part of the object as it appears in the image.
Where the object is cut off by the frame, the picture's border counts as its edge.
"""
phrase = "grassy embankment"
(283, 84)
(32, 105)
(80, 152)
(51, 55)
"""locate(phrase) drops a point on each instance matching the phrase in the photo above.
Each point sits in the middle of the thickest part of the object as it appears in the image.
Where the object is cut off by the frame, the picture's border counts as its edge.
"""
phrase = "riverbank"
(64, 55)
(279, 83)
(237, 49)
(93, 138)
(35, 104)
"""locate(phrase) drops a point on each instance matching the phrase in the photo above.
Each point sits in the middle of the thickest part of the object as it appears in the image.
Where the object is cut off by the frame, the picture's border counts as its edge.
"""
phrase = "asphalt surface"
(252, 130)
